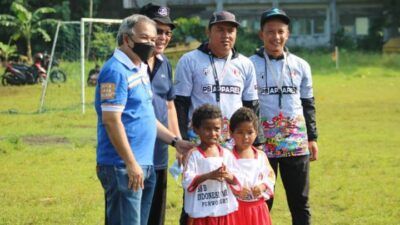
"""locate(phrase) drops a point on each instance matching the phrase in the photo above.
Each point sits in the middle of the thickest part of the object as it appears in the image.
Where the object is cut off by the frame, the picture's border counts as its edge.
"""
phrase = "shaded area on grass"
(45, 140)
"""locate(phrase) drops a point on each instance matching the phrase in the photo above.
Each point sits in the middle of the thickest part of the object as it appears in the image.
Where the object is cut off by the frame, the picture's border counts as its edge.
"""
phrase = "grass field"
(47, 161)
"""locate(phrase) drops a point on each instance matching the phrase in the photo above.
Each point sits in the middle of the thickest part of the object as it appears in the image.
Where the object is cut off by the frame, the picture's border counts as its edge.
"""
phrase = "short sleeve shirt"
(254, 172)
(211, 197)
(163, 89)
(124, 87)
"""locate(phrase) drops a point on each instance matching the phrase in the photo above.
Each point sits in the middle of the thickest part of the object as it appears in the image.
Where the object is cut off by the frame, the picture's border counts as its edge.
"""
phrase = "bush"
(189, 28)
(103, 43)
(247, 42)
(344, 41)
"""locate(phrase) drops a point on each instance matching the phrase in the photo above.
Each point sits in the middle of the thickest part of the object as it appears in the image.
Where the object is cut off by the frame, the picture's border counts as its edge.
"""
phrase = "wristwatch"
(173, 142)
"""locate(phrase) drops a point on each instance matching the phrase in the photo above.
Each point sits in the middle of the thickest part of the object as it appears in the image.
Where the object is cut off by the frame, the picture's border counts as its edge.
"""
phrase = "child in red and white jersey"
(208, 177)
(257, 176)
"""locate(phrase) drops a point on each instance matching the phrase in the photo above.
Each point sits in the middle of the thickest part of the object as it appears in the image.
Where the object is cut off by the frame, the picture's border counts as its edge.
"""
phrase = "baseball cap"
(223, 16)
(274, 13)
(157, 13)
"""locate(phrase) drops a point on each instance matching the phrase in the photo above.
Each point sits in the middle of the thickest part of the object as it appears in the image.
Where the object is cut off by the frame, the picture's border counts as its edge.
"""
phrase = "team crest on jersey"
(107, 91)
(206, 71)
(236, 72)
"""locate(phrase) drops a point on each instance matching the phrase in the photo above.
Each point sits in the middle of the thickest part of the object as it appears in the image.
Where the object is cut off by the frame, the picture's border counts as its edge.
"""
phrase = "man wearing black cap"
(215, 73)
(160, 71)
(287, 112)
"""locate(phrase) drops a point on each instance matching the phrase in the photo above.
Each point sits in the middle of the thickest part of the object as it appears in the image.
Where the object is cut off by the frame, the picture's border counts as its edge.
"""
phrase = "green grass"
(47, 161)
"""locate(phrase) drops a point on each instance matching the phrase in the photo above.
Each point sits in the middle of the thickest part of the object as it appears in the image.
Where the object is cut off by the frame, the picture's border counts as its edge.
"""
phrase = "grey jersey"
(297, 84)
(194, 77)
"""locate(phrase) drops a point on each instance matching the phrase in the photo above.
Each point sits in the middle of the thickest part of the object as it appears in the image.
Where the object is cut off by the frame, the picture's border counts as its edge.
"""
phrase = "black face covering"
(143, 50)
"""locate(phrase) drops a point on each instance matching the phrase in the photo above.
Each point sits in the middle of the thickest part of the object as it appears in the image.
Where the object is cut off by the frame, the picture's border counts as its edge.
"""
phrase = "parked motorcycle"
(56, 74)
(21, 74)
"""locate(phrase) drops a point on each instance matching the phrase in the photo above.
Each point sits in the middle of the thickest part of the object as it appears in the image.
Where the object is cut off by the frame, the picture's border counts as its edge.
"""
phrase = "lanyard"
(278, 79)
(216, 78)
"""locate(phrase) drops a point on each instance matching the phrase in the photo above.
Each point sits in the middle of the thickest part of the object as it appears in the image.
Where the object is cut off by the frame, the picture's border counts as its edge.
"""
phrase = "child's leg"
(190, 220)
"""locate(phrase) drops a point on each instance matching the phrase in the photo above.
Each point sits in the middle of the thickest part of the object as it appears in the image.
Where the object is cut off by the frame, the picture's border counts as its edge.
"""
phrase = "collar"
(160, 57)
(203, 153)
(204, 48)
(261, 52)
(236, 154)
(271, 57)
(124, 59)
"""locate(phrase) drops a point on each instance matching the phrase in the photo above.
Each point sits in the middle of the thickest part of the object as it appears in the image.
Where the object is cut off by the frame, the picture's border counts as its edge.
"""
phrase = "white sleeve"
(306, 89)
(183, 77)
(268, 176)
(190, 170)
(250, 83)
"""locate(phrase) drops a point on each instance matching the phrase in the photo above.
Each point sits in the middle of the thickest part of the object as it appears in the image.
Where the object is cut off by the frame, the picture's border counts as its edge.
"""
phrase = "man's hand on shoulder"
(183, 146)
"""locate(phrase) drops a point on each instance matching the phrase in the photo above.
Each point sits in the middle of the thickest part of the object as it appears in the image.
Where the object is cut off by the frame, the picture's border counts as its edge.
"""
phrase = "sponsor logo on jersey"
(286, 90)
(262, 74)
(226, 89)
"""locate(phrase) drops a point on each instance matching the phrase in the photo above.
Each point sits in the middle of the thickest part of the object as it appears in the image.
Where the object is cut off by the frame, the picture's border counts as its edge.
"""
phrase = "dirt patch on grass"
(85, 126)
(44, 140)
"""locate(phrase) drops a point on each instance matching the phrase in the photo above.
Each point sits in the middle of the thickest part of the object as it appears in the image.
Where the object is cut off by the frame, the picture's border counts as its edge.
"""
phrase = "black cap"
(157, 13)
(274, 13)
(223, 16)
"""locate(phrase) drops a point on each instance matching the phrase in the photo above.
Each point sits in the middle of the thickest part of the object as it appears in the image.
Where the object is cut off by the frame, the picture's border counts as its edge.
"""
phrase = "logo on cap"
(274, 12)
(163, 11)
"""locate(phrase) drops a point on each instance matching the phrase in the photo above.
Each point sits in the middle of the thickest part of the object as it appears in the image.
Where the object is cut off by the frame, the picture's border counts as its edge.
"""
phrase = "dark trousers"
(158, 206)
(295, 178)
(183, 220)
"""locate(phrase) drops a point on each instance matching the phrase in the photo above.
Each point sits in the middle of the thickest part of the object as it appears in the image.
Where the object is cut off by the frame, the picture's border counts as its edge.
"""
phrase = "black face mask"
(143, 50)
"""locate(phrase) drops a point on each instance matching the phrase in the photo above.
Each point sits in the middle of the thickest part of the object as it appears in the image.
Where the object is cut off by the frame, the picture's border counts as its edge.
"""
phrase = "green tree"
(7, 50)
(189, 26)
(103, 43)
(27, 24)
